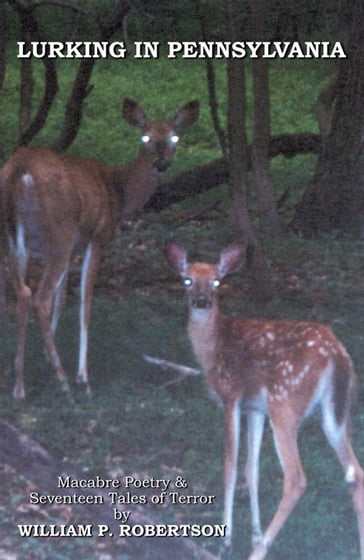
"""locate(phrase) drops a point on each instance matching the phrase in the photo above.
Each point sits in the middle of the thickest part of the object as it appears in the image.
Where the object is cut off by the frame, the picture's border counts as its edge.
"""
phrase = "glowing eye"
(187, 282)
(216, 283)
(174, 138)
(145, 138)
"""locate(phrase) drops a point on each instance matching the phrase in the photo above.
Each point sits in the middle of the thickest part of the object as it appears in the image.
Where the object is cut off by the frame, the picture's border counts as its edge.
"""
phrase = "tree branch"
(209, 175)
(81, 88)
(211, 85)
(184, 371)
(30, 31)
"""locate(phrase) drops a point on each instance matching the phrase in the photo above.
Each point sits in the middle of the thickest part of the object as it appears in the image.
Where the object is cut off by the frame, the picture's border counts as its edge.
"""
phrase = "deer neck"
(138, 181)
(203, 332)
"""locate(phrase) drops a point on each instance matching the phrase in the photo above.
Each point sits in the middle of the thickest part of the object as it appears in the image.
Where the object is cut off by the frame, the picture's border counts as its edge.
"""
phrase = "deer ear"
(187, 115)
(176, 256)
(230, 259)
(133, 113)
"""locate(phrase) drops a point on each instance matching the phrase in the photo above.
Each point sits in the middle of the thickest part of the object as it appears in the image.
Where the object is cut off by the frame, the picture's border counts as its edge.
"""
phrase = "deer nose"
(161, 164)
(201, 301)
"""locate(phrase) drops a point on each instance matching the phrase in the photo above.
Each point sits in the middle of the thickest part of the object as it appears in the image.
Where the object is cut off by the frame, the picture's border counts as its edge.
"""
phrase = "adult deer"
(52, 203)
(280, 369)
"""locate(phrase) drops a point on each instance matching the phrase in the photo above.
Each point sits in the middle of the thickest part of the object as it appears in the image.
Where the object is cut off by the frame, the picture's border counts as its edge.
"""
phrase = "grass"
(136, 422)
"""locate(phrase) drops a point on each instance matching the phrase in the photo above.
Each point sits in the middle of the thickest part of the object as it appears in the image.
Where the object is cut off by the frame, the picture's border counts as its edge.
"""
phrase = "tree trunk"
(50, 91)
(211, 83)
(81, 87)
(2, 42)
(268, 216)
(28, 32)
(324, 106)
(238, 161)
(335, 198)
(74, 106)
(28, 127)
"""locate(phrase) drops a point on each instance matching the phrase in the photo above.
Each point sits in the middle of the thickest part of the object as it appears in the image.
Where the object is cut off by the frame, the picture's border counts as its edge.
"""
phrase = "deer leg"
(2, 287)
(22, 311)
(42, 304)
(354, 477)
(18, 266)
(232, 435)
(89, 269)
(255, 433)
(294, 480)
(338, 437)
(59, 300)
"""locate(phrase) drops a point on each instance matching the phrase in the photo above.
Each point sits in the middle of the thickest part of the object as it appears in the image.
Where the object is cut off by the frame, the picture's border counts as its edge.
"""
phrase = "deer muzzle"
(201, 301)
(161, 165)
